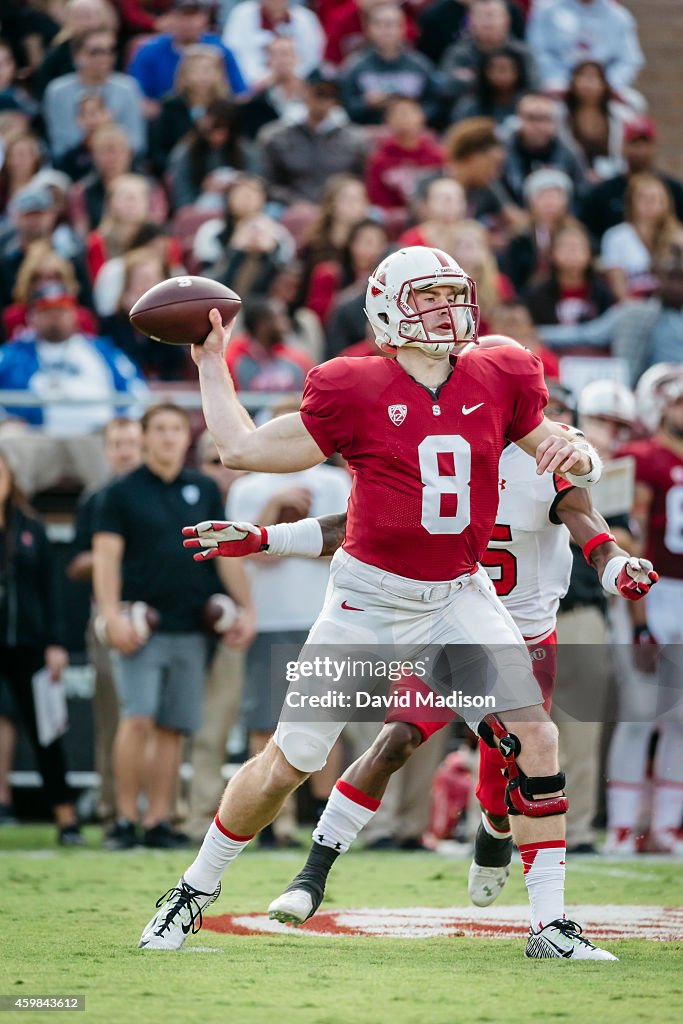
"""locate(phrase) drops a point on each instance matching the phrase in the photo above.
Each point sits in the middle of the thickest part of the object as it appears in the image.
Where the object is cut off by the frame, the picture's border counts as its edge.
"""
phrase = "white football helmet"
(391, 301)
(609, 399)
(661, 384)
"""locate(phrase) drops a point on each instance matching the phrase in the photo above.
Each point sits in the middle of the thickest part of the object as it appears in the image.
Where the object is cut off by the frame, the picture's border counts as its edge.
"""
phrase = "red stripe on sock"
(357, 795)
(230, 835)
(668, 783)
(528, 851)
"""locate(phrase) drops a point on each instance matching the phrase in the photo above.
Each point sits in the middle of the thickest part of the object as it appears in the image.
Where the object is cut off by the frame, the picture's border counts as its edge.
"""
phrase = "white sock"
(346, 812)
(544, 870)
(623, 805)
(219, 848)
(667, 802)
(492, 830)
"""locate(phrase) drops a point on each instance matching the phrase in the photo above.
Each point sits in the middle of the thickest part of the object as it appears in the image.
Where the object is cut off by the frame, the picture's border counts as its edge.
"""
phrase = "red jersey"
(425, 464)
(662, 471)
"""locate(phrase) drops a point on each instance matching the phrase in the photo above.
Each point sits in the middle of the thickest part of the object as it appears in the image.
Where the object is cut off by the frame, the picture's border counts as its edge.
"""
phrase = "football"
(219, 613)
(176, 311)
(144, 618)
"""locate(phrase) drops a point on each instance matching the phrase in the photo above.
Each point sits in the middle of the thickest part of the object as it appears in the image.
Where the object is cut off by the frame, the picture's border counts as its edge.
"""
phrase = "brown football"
(176, 311)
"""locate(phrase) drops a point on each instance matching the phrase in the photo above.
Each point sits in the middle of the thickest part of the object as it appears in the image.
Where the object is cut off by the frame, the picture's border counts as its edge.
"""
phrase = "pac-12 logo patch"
(397, 414)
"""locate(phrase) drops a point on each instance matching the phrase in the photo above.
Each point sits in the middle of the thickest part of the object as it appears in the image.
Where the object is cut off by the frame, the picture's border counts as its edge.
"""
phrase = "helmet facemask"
(399, 315)
(439, 328)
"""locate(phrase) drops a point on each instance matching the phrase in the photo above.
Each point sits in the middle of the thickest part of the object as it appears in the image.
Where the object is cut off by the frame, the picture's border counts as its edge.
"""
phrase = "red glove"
(632, 579)
(227, 539)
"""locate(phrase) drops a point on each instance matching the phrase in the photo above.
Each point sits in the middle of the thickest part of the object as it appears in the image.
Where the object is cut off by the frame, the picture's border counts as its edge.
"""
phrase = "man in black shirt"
(122, 453)
(138, 556)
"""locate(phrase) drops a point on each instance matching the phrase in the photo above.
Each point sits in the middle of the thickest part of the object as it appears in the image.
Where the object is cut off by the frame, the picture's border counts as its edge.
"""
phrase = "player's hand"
(227, 539)
(636, 578)
(56, 660)
(242, 631)
(216, 341)
(558, 455)
(121, 635)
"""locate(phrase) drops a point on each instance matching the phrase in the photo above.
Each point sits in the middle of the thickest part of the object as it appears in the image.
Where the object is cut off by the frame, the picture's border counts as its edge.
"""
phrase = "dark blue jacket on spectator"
(154, 65)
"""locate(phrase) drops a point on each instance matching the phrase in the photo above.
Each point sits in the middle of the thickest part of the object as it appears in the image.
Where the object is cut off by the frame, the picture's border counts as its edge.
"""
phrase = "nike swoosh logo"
(565, 953)
(473, 408)
(350, 608)
(186, 927)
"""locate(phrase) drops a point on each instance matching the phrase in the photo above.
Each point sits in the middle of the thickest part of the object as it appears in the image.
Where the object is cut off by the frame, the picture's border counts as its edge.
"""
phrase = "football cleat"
(180, 913)
(294, 907)
(669, 840)
(562, 940)
(305, 893)
(489, 869)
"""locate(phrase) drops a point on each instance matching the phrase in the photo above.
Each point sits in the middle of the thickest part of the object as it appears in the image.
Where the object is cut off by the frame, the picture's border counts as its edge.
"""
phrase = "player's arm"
(307, 538)
(282, 445)
(107, 558)
(563, 450)
(620, 572)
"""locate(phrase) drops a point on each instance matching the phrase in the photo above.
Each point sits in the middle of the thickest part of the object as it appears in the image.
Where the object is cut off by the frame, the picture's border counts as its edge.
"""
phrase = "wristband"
(612, 570)
(599, 538)
(303, 538)
(642, 634)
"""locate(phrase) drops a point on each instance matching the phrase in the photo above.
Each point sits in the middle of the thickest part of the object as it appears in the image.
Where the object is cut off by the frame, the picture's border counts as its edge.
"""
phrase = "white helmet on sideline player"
(662, 383)
(391, 301)
(608, 399)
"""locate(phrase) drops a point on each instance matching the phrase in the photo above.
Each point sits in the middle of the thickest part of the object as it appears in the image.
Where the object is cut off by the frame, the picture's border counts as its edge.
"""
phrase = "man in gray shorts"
(159, 667)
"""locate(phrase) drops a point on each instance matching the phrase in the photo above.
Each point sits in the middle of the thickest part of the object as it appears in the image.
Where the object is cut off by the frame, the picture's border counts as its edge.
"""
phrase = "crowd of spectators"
(283, 148)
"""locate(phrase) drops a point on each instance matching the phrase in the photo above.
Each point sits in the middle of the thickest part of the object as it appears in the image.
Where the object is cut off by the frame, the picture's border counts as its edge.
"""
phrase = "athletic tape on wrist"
(304, 538)
(612, 570)
(587, 479)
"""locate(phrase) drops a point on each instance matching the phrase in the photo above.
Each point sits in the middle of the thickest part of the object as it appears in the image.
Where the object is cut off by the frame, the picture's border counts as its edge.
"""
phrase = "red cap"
(48, 296)
(640, 128)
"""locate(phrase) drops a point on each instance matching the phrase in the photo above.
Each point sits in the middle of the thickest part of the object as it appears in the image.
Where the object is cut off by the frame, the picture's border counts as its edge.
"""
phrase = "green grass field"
(71, 921)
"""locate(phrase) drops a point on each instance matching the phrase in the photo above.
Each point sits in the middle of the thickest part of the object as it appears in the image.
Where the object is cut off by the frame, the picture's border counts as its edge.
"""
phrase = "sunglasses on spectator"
(101, 51)
(536, 117)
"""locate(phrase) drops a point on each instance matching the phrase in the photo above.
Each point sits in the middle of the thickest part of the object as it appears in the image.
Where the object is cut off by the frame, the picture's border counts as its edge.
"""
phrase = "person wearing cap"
(252, 25)
(155, 62)
(33, 217)
(387, 66)
(56, 362)
(563, 32)
(547, 195)
(299, 157)
(536, 144)
(603, 205)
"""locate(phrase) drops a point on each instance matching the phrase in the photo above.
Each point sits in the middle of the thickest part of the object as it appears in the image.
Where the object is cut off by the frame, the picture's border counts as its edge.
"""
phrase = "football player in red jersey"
(659, 510)
(529, 560)
(423, 437)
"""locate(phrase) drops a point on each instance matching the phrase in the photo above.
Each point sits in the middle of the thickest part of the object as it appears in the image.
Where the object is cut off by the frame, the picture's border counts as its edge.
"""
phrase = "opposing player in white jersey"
(423, 436)
(529, 561)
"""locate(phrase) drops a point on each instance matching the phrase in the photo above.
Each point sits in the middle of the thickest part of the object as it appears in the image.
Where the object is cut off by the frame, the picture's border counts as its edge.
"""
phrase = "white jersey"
(528, 557)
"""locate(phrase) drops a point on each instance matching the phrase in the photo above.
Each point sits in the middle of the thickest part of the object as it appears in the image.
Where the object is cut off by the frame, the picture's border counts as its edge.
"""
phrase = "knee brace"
(304, 751)
(521, 790)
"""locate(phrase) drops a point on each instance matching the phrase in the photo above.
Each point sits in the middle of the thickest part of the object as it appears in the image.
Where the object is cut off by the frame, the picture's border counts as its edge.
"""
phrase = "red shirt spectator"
(398, 162)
